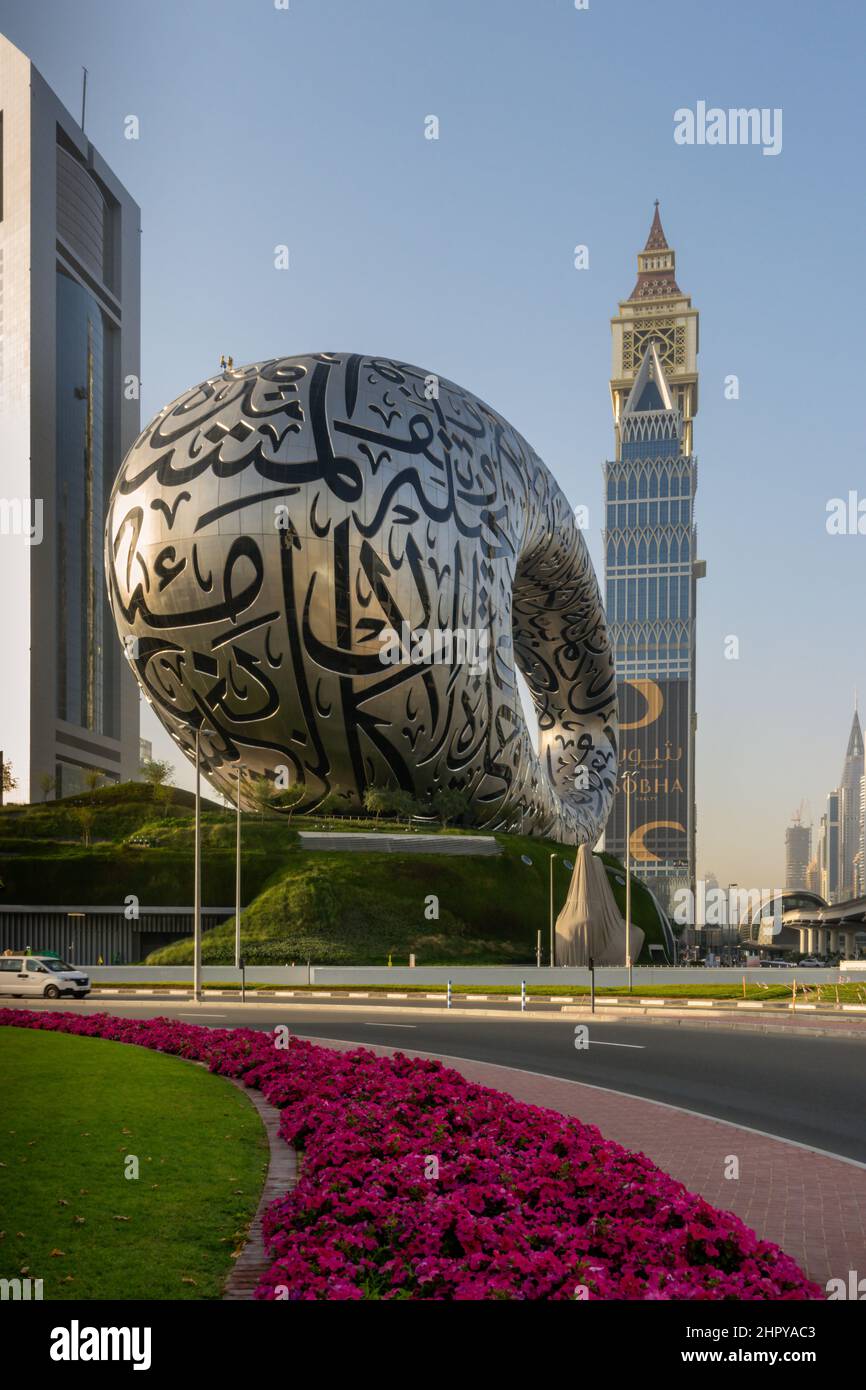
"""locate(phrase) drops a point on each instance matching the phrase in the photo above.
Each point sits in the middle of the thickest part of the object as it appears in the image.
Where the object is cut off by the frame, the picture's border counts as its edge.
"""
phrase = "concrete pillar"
(804, 940)
(834, 938)
(814, 941)
(849, 945)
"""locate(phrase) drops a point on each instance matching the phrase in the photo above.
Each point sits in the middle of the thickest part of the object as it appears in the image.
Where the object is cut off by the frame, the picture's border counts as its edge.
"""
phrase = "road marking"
(390, 1025)
(596, 1042)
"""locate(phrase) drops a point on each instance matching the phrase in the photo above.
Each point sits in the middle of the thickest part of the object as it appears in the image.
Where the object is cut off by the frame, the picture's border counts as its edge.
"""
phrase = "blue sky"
(261, 126)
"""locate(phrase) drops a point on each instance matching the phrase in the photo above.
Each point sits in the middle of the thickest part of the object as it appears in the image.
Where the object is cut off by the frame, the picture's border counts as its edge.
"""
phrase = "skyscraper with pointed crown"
(850, 813)
(651, 570)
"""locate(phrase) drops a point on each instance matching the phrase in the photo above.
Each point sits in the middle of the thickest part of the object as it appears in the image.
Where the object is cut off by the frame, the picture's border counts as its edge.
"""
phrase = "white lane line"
(201, 1015)
(595, 1042)
(390, 1025)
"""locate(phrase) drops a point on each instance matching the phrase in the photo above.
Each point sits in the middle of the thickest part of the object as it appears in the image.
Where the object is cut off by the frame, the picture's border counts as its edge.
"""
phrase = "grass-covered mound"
(74, 1110)
(97, 847)
(339, 908)
(360, 908)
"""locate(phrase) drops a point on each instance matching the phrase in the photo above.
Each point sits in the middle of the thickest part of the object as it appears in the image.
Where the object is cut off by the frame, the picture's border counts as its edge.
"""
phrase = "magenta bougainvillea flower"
(417, 1184)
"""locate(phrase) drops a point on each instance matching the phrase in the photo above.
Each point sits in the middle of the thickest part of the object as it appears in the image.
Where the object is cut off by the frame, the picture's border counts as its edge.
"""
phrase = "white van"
(45, 976)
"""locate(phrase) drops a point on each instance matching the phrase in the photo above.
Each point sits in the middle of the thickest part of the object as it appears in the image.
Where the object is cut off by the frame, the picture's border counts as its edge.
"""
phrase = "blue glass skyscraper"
(651, 571)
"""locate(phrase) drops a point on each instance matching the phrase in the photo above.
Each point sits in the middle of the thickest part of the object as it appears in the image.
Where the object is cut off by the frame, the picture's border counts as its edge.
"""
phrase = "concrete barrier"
(479, 976)
(143, 975)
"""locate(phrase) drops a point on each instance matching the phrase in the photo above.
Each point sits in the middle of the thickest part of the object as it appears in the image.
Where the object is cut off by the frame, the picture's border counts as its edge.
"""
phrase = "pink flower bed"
(527, 1204)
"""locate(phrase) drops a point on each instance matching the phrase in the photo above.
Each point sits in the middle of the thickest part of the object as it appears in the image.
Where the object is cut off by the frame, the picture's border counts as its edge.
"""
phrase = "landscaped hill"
(328, 907)
(98, 847)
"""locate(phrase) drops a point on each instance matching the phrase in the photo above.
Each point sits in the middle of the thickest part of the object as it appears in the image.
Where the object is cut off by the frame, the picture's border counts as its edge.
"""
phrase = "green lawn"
(73, 1110)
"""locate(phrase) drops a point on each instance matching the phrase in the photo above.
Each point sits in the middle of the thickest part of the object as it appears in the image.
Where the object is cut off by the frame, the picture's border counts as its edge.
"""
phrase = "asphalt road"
(808, 1089)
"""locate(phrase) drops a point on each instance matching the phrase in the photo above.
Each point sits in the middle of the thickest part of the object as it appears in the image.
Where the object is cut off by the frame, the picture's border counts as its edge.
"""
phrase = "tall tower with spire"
(656, 311)
(651, 569)
(850, 812)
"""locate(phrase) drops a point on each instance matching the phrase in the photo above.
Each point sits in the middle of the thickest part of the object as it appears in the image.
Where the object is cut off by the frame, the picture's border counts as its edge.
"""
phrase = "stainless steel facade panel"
(399, 508)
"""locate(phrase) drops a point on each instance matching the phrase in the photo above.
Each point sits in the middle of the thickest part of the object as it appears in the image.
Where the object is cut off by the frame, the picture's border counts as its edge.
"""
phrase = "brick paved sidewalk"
(812, 1205)
(282, 1175)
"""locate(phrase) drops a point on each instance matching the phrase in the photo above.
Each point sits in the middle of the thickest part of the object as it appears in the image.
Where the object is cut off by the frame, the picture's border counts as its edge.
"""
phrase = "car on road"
(812, 962)
(47, 977)
(775, 963)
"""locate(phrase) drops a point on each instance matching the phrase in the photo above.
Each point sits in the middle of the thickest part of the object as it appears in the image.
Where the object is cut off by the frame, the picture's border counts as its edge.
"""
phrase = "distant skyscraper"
(69, 369)
(828, 850)
(798, 853)
(850, 812)
(650, 567)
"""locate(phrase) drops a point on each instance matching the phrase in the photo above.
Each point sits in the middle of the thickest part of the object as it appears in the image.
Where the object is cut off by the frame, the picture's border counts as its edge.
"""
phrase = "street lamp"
(238, 876)
(74, 918)
(552, 948)
(626, 777)
(196, 911)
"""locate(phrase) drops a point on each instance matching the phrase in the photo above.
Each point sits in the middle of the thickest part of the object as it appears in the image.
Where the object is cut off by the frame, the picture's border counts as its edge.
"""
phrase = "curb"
(281, 1177)
(694, 1018)
(617, 1006)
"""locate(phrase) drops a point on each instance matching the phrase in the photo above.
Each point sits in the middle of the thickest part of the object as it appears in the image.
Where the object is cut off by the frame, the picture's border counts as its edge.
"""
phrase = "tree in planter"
(47, 785)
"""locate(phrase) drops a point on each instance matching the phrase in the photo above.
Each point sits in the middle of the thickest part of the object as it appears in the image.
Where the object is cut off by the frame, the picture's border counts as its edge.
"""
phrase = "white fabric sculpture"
(590, 924)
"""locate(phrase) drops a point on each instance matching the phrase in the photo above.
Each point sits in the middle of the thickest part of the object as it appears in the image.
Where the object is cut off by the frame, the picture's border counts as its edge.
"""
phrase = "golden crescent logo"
(654, 703)
(639, 850)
